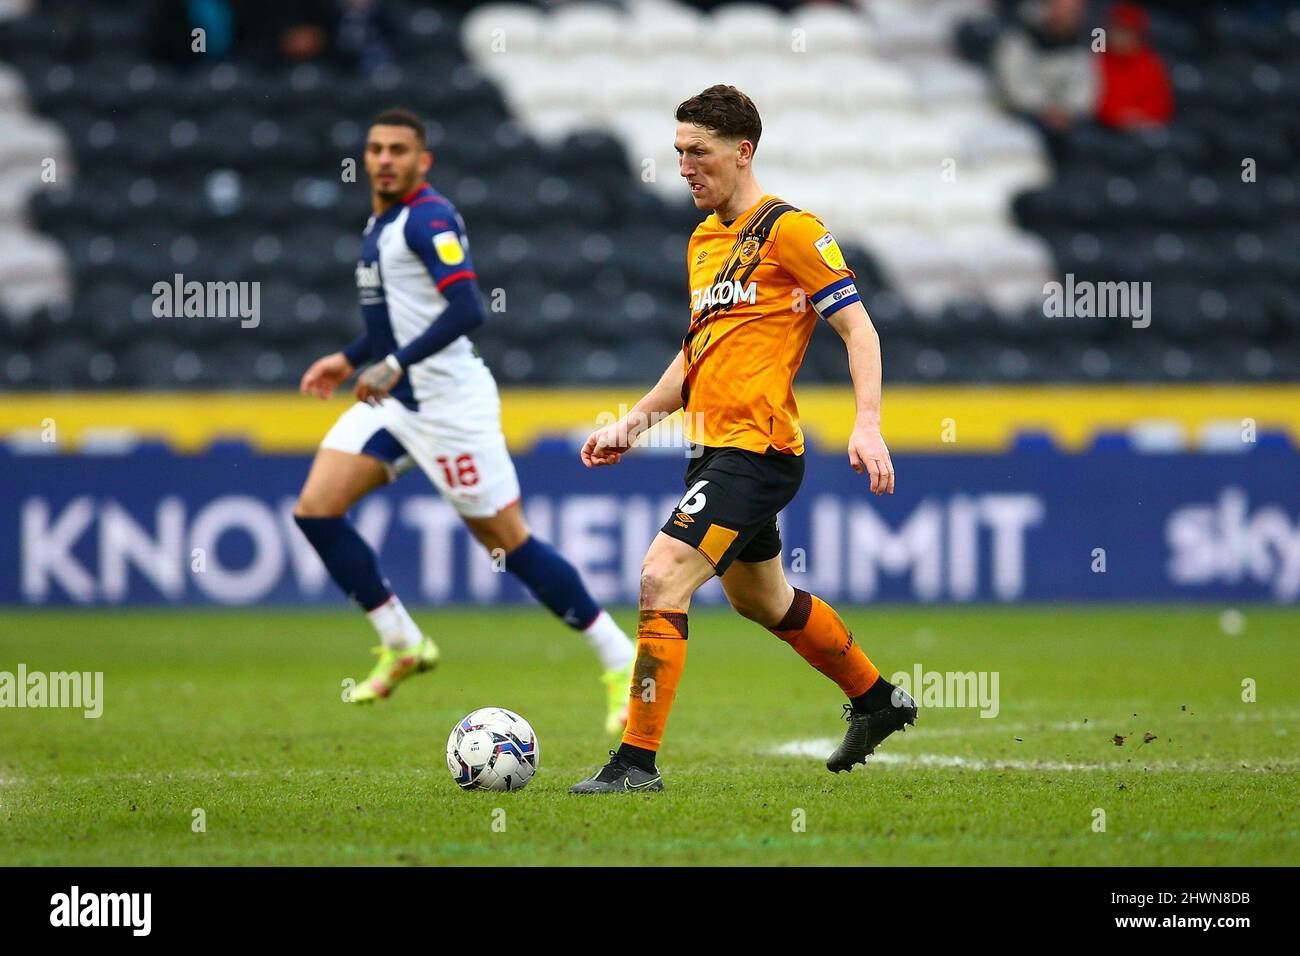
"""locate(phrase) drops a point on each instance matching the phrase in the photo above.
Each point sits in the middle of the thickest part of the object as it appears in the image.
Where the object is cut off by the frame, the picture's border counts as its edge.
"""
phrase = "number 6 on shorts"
(694, 498)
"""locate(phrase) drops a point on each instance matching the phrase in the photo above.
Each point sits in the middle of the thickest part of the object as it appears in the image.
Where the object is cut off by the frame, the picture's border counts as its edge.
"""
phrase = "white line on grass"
(977, 726)
(821, 746)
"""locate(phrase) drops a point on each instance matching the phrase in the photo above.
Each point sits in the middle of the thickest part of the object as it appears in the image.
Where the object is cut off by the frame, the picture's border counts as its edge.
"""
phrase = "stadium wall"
(1053, 495)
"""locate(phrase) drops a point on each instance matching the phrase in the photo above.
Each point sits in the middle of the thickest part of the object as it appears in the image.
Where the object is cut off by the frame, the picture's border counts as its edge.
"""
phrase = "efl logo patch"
(830, 251)
(450, 251)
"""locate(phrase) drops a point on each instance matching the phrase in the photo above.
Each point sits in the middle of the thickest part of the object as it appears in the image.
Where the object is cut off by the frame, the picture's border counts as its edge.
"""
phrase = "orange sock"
(817, 634)
(660, 657)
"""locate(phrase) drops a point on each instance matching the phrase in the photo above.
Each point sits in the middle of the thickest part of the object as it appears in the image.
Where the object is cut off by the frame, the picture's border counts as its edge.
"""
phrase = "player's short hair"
(724, 110)
(397, 116)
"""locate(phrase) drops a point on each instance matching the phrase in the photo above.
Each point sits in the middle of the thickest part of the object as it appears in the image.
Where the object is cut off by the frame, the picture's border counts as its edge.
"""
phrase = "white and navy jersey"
(409, 256)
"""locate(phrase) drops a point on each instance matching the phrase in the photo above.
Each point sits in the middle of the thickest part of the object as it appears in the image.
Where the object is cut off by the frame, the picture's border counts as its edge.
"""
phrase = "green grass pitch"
(240, 715)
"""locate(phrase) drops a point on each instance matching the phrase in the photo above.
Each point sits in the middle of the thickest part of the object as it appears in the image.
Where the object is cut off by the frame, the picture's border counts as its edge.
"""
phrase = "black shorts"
(732, 499)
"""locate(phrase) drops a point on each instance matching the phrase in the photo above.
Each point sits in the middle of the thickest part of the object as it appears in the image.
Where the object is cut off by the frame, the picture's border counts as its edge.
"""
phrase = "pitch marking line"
(821, 746)
(978, 727)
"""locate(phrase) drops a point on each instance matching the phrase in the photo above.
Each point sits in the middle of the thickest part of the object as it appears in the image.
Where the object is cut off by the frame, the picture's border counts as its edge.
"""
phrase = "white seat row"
(869, 120)
(33, 155)
(902, 28)
(650, 27)
(33, 271)
(602, 81)
(932, 268)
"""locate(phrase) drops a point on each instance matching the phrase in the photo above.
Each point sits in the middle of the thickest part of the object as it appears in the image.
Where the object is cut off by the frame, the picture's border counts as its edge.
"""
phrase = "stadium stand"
(1205, 208)
(860, 118)
(559, 155)
(33, 268)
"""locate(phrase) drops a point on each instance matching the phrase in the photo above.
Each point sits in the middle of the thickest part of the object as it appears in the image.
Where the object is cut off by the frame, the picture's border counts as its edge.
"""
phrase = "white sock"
(609, 642)
(396, 629)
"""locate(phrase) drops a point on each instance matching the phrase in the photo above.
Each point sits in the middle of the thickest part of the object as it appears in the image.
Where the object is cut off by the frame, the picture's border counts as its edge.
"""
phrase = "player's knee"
(505, 532)
(763, 603)
(661, 582)
(316, 506)
(758, 611)
(765, 609)
(652, 583)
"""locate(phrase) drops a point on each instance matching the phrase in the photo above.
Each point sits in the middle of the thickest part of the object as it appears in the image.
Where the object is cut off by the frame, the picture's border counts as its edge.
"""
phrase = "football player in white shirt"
(428, 400)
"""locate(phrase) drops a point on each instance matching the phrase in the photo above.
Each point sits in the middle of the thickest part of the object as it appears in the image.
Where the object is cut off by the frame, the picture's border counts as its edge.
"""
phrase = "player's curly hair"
(725, 110)
(397, 116)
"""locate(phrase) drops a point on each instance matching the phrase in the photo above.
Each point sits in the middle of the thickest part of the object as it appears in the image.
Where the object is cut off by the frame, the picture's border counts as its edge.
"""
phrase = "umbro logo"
(684, 519)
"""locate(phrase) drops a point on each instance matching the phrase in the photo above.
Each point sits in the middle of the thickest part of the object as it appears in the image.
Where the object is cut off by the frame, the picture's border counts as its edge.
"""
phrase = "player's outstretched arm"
(867, 449)
(605, 446)
(328, 373)
(325, 375)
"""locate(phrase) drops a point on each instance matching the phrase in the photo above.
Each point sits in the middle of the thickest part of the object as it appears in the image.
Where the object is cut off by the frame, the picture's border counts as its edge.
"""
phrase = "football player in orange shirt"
(761, 273)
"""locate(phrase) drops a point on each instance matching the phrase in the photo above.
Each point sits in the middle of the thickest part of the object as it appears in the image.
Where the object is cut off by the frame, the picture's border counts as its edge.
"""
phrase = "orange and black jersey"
(758, 284)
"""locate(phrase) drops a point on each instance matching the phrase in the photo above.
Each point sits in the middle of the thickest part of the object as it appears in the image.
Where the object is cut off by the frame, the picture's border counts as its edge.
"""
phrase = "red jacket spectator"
(1134, 83)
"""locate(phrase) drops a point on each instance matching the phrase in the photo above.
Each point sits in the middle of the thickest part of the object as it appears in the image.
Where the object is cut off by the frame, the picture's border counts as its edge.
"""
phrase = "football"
(492, 749)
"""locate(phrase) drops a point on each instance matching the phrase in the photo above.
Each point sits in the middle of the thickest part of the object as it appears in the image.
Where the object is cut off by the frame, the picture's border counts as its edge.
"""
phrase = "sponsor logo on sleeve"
(830, 251)
(450, 251)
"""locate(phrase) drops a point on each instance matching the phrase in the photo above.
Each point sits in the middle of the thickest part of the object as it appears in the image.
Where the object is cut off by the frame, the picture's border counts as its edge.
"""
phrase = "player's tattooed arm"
(378, 380)
(867, 450)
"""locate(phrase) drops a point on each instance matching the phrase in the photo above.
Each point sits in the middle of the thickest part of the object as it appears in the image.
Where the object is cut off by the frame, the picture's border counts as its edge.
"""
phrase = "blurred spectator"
(1044, 67)
(175, 23)
(289, 31)
(1134, 83)
(366, 33)
(294, 30)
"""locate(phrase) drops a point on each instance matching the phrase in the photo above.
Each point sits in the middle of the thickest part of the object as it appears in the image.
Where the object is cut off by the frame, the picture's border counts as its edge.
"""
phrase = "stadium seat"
(553, 133)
